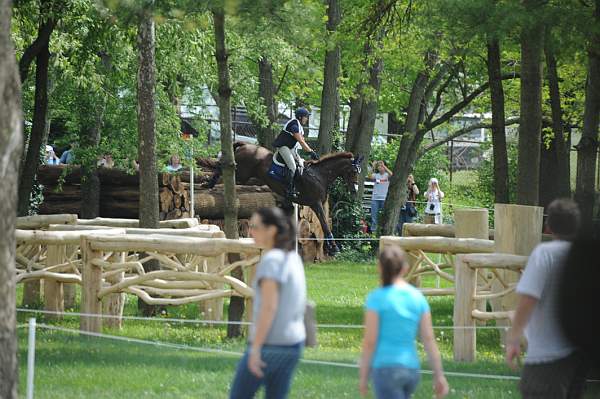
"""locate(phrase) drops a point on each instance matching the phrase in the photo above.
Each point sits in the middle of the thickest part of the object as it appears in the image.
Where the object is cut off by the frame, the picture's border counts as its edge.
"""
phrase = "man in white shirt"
(553, 368)
(381, 177)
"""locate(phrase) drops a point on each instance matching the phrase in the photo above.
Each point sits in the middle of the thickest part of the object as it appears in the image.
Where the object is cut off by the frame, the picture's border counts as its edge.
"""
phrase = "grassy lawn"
(71, 366)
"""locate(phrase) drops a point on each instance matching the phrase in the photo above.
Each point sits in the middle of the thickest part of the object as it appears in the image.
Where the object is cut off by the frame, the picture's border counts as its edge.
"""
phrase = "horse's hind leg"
(330, 245)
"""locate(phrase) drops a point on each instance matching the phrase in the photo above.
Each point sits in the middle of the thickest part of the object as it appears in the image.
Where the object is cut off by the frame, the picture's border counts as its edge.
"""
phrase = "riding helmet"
(300, 112)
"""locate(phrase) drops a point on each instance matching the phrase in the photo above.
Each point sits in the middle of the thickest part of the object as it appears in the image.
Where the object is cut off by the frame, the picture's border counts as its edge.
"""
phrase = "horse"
(253, 162)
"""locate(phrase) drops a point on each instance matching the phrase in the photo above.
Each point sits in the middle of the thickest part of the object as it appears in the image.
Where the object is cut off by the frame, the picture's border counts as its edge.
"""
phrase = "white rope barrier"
(224, 322)
(239, 354)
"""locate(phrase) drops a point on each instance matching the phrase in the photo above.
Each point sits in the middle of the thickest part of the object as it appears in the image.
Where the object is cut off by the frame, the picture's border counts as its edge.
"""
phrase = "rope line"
(223, 322)
(239, 354)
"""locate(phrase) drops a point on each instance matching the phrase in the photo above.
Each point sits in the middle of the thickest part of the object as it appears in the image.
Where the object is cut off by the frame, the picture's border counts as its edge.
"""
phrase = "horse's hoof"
(333, 251)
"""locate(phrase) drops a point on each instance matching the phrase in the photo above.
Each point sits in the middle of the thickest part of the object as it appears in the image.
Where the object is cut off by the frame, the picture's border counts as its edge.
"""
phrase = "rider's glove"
(314, 156)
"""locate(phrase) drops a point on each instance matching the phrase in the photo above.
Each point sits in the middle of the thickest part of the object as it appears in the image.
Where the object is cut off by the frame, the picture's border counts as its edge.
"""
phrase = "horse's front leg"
(330, 245)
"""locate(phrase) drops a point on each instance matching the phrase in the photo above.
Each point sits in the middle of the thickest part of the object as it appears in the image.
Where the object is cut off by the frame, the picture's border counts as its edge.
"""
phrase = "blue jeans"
(376, 206)
(404, 218)
(280, 364)
(395, 382)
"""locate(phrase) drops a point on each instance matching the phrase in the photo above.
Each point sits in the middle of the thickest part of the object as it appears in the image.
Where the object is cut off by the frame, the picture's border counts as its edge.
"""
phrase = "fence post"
(518, 229)
(92, 283)
(69, 289)
(473, 223)
(213, 308)
(30, 358)
(113, 303)
(465, 338)
(53, 290)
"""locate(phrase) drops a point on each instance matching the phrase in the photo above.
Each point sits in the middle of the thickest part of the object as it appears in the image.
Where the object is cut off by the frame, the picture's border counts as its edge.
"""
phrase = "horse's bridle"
(356, 164)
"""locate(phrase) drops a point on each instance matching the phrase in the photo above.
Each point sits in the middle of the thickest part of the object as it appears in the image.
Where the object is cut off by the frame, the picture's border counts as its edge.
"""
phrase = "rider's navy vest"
(286, 138)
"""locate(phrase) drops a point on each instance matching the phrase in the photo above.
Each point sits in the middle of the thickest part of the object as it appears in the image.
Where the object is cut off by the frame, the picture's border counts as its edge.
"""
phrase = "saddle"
(278, 172)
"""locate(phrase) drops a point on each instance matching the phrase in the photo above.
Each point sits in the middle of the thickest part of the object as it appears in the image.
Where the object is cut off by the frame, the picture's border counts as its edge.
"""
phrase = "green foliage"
(347, 217)
(485, 178)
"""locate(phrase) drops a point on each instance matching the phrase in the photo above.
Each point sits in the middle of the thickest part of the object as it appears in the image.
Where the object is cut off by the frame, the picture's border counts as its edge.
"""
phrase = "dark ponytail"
(392, 261)
(286, 230)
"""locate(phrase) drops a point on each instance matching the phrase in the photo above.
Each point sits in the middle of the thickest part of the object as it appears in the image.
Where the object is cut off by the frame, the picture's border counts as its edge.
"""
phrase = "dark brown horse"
(253, 161)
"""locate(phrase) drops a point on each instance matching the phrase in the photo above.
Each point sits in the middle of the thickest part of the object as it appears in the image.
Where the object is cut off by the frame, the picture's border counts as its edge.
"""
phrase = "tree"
(146, 86)
(530, 129)
(330, 97)
(146, 117)
(587, 148)
(363, 109)
(554, 158)
(11, 124)
(501, 193)
(40, 47)
(236, 304)
(266, 92)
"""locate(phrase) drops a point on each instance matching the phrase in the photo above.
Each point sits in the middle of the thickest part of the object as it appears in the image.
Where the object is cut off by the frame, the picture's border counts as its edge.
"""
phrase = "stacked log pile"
(119, 198)
(119, 192)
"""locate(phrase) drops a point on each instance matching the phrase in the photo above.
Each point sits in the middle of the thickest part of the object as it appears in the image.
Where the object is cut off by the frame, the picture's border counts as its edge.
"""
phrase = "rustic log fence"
(106, 260)
(192, 270)
(480, 271)
(54, 256)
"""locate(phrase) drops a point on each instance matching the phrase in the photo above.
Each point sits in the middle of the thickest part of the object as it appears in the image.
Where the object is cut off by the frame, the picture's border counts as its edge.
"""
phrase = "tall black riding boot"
(291, 193)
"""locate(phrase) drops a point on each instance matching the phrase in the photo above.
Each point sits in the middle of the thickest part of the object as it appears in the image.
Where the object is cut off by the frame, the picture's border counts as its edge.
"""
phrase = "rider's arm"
(300, 138)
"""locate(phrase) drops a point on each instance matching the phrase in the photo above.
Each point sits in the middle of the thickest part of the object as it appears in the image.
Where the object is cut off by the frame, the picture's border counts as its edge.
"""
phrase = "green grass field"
(73, 366)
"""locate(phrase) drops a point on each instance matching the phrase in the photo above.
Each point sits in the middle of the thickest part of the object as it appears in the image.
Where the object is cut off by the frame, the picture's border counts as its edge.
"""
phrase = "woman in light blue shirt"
(394, 314)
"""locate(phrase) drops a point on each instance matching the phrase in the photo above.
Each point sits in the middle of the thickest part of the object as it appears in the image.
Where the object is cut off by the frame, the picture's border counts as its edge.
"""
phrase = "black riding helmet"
(300, 112)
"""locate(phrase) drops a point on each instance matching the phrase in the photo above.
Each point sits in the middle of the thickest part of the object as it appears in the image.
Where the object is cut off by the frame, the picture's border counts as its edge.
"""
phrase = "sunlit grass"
(71, 366)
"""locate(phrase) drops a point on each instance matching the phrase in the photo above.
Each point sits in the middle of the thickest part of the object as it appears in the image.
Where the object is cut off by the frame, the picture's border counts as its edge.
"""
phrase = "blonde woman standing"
(434, 196)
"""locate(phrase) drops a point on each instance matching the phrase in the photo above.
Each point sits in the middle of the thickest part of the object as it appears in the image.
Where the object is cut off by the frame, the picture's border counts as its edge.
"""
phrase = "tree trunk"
(11, 123)
(146, 84)
(500, 155)
(530, 129)
(330, 96)
(266, 92)
(587, 148)
(407, 153)
(236, 304)
(394, 126)
(363, 111)
(90, 183)
(554, 161)
(32, 160)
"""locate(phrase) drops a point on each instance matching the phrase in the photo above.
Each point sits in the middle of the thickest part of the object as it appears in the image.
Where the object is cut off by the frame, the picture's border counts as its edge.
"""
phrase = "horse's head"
(351, 175)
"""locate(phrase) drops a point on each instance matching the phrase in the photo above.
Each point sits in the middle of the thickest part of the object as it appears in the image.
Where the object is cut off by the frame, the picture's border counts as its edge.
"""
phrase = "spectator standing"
(106, 161)
(408, 212)
(51, 158)
(433, 208)
(174, 164)
(553, 367)
(381, 177)
(277, 333)
(394, 314)
(68, 157)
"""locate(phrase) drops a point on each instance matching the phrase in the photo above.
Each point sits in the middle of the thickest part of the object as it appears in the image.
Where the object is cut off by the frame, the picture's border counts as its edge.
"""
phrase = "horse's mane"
(332, 156)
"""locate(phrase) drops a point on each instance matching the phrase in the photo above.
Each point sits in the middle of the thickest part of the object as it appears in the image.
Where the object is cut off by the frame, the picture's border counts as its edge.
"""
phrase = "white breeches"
(291, 158)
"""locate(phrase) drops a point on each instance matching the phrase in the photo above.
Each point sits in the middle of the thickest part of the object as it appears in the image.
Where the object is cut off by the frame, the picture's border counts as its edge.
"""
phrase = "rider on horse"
(287, 143)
